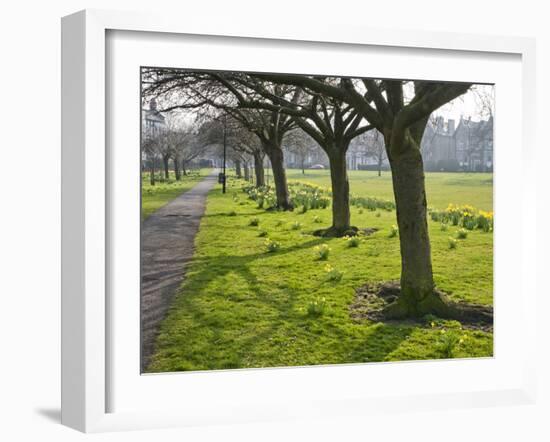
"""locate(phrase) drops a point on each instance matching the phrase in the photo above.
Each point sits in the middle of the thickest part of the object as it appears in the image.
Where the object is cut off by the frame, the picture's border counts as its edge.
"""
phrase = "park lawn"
(154, 197)
(242, 307)
(442, 188)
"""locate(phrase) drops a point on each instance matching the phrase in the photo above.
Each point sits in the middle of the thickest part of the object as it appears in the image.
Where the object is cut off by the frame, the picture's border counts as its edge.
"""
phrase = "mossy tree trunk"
(411, 210)
(166, 161)
(259, 169)
(275, 153)
(340, 191)
(238, 171)
(177, 169)
(418, 296)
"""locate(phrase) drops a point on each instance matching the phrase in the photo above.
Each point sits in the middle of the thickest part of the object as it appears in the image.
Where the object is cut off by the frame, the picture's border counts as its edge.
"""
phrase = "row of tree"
(260, 110)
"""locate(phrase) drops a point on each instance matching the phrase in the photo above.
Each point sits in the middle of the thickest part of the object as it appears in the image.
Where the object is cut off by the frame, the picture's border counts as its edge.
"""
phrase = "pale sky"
(479, 103)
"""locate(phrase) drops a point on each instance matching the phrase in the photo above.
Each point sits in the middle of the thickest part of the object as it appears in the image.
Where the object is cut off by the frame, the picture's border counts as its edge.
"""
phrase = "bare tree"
(330, 121)
(301, 145)
(150, 149)
(179, 89)
(373, 144)
(401, 118)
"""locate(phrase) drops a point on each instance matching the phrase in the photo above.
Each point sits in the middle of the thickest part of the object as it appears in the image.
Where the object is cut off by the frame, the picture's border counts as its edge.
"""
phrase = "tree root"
(333, 232)
(391, 306)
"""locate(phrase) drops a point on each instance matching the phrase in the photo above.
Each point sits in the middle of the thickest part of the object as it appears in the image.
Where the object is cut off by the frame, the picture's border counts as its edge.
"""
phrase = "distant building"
(153, 122)
(468, 147)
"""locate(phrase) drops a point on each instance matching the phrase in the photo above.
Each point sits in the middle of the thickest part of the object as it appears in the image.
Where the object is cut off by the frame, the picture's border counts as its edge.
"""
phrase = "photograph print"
(298, 220)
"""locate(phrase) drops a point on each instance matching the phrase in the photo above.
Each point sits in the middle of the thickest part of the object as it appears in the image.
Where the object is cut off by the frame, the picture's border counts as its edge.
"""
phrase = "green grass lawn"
(241, 306)
(442, 189)
(154, 197)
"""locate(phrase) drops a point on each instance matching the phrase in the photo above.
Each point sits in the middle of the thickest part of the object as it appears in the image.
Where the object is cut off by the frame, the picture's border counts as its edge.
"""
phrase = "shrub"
(332, 274)
(322, 252)
(452, 243)
(254, 221)
(317, 307)
(461, 233)
(296, 225)
(393, 231)
(271, 246)
(352, 241)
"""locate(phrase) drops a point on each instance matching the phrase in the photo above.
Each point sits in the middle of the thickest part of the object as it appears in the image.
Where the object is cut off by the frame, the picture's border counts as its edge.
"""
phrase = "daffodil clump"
(333, 274)
(393, 231)
(370, 203)
(303, 195)
(452, 243)
(449, 341)
(271, 246)
(317, 307)
(322, 252)
(352, 241)
(465, 216)
(254, 221)
(462, 233)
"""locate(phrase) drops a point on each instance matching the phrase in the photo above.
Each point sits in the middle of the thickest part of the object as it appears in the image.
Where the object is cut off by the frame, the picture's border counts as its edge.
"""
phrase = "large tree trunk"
(275, 154)
(259, 170)
(166, 160)
(183, 169)
(246, 171)
(340, 192)
(238, 169)
(418, 296)
(177, 169)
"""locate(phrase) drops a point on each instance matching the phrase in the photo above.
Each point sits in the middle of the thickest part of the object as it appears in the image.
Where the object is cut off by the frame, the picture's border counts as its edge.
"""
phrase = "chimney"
(439, 124)
(451, 127)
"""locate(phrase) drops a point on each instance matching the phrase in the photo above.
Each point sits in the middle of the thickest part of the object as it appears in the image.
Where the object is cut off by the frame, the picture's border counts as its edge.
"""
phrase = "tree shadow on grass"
(190, 301)
(382, 340)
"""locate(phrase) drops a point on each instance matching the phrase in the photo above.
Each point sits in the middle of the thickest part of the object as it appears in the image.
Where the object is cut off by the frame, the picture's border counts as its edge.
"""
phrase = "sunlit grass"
(242, 305)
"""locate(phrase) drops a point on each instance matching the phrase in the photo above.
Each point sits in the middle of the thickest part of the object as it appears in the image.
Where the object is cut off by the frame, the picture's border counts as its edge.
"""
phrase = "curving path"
(167, 246)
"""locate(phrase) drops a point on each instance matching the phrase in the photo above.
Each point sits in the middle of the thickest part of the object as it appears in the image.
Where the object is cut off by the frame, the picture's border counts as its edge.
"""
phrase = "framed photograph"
(263, 224)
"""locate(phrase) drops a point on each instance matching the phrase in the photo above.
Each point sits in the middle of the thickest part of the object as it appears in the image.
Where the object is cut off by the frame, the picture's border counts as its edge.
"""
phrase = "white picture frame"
(85, 199)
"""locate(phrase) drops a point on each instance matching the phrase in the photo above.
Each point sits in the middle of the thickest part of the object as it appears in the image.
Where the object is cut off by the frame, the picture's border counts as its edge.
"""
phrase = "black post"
(224, 152)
